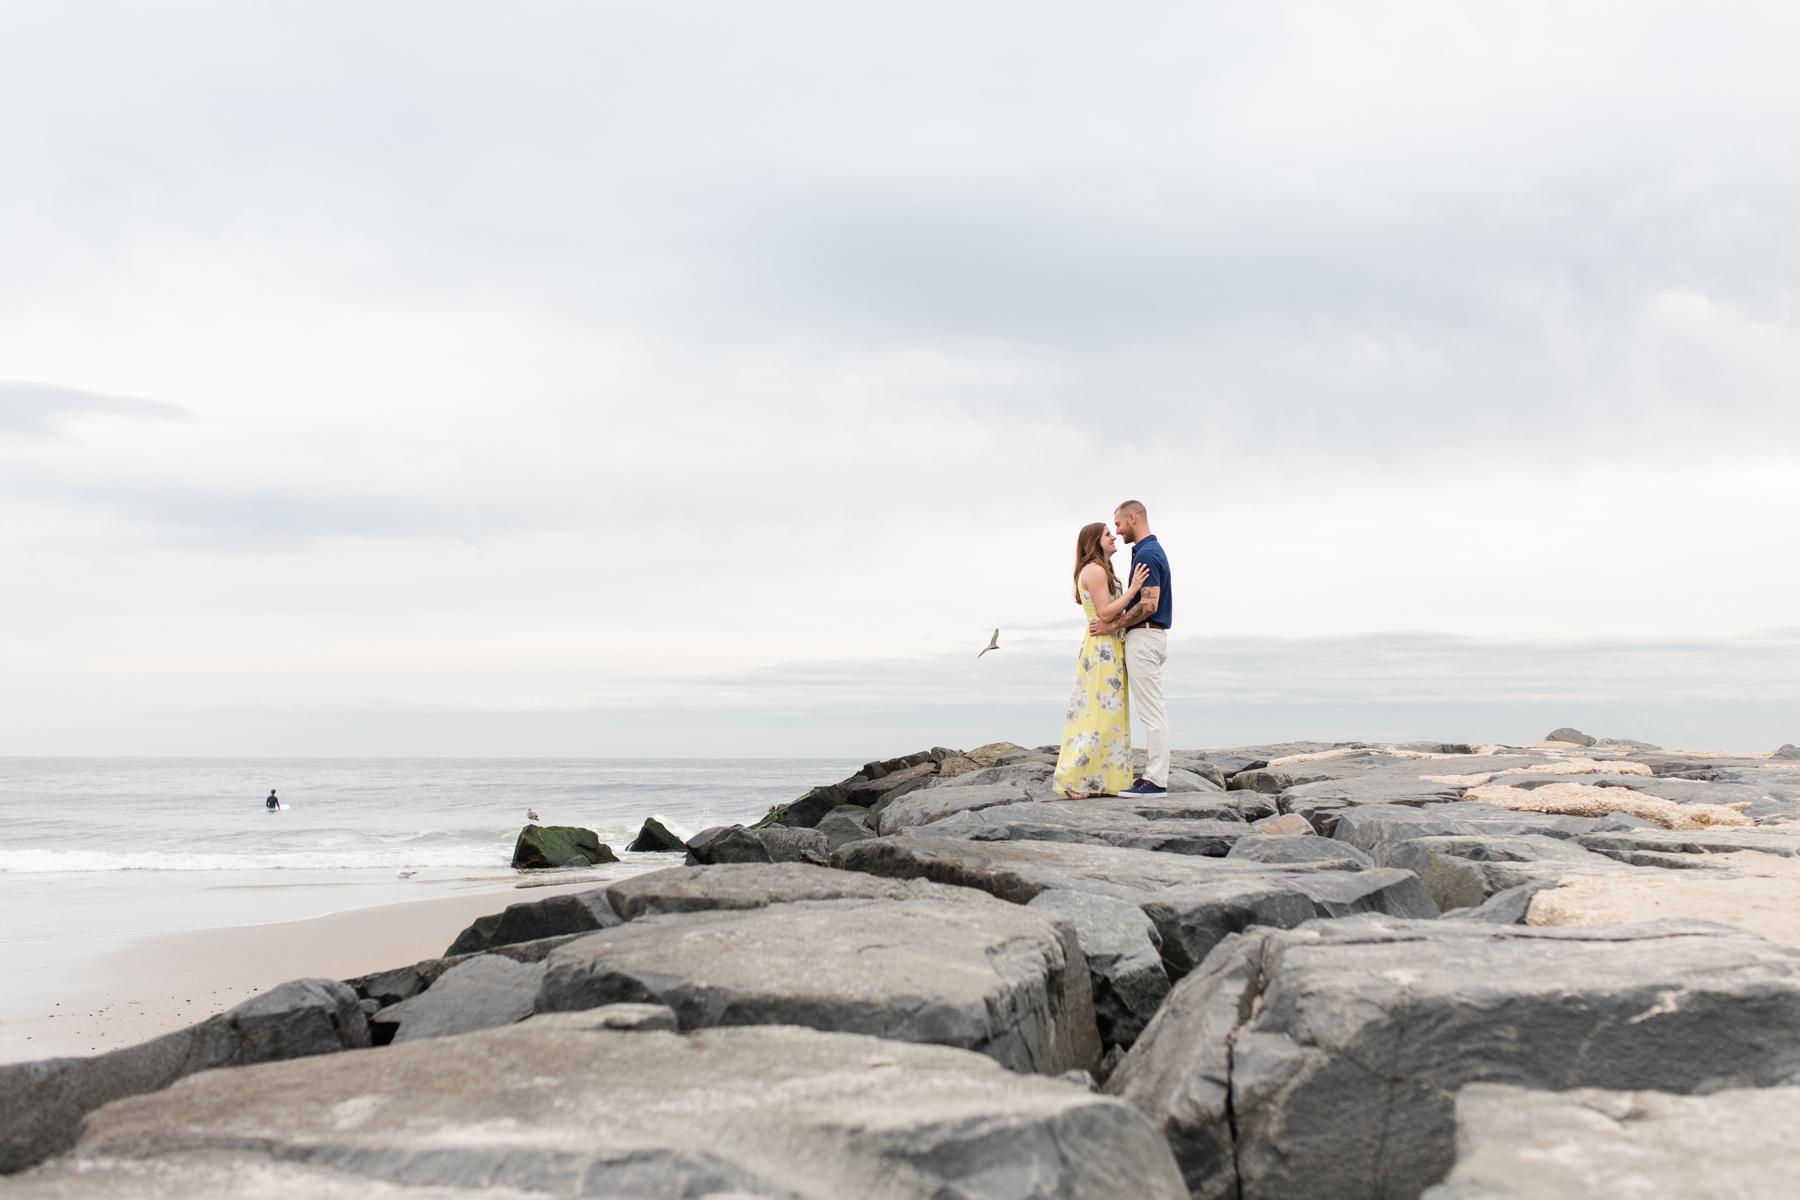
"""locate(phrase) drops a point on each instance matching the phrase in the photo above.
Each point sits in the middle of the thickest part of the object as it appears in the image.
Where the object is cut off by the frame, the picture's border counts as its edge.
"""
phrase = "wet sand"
(66, 996)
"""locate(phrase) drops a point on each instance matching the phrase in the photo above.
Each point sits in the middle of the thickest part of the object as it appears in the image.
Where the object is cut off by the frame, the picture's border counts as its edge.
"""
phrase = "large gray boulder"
(727, 844)
(1517, 1144)
(548, 1108)
(42, 1103)
(1037, 778)
(995, 978)
(1463, 872)
(534, 920)
(1325, 1060)
(1077, 821)
(1322, 803)
(1193, 901)
(1374, 828)
(792, 844)
(757, 885)
(934, 804)
(846, 823)
(1124, 959)
(1281, 850)
(1017, 871)
(485, 992)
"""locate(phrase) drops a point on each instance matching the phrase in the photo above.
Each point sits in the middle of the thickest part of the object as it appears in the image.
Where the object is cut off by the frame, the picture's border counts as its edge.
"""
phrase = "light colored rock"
(1290, 825)
(483, 993)
(1586, 800)
(536, 1110)
(995, 978)
(1517, 1144)
(1280, 851)
(926, 805)
(757, 885)
(950, 768)
(993, 752)
(1754, 891)
(1084, 821)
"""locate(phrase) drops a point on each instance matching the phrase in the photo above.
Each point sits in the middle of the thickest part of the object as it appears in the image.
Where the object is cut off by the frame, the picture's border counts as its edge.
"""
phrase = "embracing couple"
(1120, 666)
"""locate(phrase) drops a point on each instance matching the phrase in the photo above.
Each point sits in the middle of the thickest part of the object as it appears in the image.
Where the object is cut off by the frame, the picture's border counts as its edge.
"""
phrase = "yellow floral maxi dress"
(1096, 741)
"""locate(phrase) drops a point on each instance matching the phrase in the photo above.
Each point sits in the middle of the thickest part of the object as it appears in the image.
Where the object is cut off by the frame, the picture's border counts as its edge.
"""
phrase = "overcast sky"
(706, 378)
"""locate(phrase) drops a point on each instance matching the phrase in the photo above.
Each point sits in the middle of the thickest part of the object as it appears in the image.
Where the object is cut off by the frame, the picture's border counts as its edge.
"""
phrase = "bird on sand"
(406, 874)
(993, 643)
(531, 813)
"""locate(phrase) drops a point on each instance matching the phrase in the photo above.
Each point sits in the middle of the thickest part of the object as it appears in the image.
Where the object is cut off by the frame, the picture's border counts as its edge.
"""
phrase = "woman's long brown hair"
(1087, 550)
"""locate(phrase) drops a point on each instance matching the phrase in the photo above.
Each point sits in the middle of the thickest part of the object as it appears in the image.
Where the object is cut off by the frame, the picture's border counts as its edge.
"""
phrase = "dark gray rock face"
(773, 1113)
(1508, 907)
(1124, 959)
(1325, 1060)
(727, 844)
(42, 1103)
(485, 992)
(534, 920)
(1788, 751)
(846, 823)
(934, 804)
(1572, 736)
(808, 810)
(1078, 821)
(995, 978)
(1517, 1144)
(877, 794)
(786, 845)
(758, 885)
(1462, 872)
(1300, 850)
(655, 836)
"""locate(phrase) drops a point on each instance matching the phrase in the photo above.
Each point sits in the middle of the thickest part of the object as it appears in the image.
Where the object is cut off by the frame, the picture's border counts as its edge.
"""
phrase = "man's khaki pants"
(1145, 649)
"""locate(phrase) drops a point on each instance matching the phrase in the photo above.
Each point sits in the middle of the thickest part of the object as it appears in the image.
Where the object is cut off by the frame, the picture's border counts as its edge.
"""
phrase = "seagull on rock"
(531, 813)
(993, 643)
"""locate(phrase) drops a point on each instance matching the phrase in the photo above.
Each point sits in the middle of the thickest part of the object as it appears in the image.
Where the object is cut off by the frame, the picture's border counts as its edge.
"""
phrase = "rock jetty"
(1569, 968)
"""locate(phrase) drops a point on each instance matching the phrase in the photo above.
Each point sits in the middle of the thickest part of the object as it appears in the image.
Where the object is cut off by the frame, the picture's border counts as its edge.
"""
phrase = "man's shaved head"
(1131, 508)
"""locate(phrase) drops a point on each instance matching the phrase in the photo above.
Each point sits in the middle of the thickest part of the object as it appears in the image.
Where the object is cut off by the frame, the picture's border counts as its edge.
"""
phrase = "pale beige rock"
(1291, 825)
(1515, 1144)
(950, 768)
(1586, 800)
(1752, 890)
(993, 752)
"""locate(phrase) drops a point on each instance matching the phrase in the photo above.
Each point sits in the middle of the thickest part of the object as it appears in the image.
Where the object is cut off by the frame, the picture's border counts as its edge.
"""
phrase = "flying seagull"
(993, 643)
(531, 813)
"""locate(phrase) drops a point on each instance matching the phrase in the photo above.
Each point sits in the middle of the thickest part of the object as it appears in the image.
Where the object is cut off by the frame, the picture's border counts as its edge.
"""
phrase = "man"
(1146, 625)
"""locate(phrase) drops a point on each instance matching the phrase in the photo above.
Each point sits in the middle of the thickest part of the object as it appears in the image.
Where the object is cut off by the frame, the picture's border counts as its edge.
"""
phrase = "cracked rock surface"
(546, 1108)
(1325, 1060)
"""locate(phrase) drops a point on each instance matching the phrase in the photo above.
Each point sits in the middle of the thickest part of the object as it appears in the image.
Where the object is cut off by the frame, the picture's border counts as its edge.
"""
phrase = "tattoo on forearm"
(1143, 609)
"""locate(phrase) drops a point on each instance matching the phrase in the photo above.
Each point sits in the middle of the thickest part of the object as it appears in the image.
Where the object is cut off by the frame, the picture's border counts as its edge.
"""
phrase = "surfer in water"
(272, 804)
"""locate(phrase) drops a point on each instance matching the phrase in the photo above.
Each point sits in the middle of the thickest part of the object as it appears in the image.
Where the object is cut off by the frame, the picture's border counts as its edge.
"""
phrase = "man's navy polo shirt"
(1149, 552)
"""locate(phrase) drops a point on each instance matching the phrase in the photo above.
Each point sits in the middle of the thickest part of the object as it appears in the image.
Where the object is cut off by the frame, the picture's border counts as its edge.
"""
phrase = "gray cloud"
(40, 410)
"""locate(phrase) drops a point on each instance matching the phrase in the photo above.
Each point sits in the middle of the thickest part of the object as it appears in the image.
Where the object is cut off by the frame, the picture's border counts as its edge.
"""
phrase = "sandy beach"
(67, 996)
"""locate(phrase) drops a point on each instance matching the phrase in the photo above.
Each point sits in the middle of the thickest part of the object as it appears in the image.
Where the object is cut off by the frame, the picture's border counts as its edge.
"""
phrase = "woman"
(1096, 744)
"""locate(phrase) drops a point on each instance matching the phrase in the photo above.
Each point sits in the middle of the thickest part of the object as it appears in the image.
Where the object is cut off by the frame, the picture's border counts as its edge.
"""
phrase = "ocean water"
(93, 846)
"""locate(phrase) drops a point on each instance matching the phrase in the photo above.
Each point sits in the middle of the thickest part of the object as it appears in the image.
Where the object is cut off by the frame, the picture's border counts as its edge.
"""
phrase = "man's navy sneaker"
(1144, 787)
